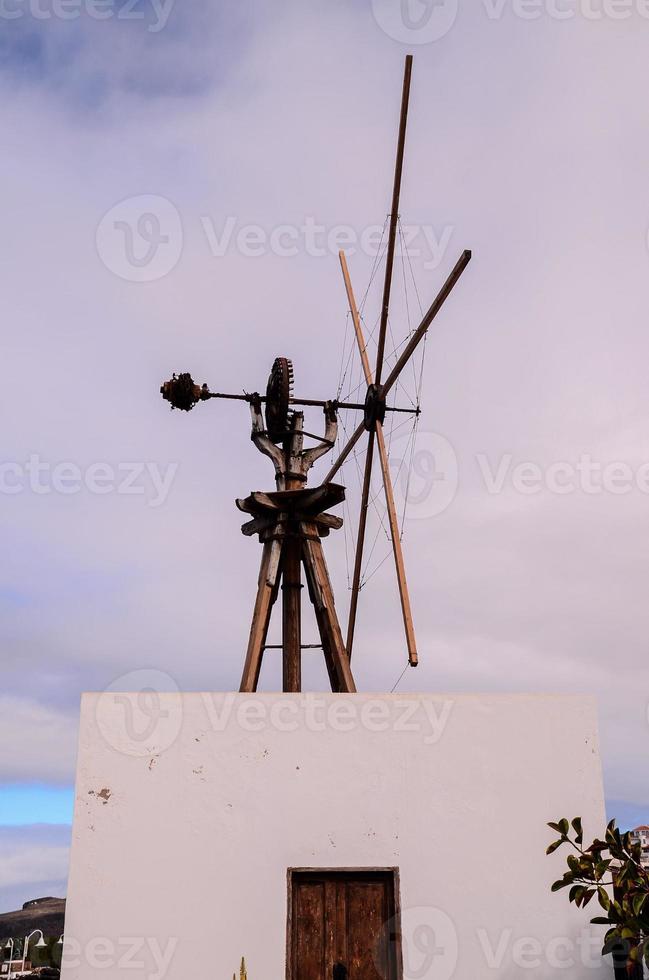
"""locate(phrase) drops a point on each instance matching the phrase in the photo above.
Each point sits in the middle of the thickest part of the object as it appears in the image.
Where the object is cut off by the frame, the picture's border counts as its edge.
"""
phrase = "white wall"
(190, 808)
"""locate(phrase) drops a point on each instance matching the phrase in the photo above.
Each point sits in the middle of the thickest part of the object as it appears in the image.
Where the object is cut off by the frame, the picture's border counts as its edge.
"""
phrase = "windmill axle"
(183, 393)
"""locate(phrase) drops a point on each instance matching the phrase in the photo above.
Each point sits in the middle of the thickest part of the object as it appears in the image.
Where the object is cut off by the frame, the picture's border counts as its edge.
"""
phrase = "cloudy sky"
(177, 178)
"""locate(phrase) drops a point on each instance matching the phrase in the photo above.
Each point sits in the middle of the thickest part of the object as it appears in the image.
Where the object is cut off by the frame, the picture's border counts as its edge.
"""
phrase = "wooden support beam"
(292, 615)
(266, 595)
(325, 608)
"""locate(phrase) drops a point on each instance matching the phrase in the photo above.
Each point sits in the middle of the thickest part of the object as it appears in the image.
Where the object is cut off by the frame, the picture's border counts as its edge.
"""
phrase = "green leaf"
(609, 946)
(555, 826)
(599, 920)
(562, 883)
(604, 899)
(564, 827)
(576, 826)
(587, 897)
(638, 902)
(552, 848)
(615, 913)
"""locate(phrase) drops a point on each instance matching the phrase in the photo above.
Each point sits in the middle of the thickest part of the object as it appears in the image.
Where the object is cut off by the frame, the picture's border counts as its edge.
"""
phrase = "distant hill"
(46, 914)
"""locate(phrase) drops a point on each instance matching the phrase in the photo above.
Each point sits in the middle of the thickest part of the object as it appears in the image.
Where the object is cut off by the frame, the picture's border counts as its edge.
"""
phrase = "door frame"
(391, 872)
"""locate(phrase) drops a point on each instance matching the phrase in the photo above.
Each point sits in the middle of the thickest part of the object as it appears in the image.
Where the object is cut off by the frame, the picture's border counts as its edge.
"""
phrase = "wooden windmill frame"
(292, 520)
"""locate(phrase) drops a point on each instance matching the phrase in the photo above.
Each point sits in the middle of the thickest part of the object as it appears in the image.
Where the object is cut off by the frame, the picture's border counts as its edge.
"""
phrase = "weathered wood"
(360, 543)
(306, 500)
(326, 616)
(367, 479)
(343, 920)
(292, 615)
(309, 937)
(266, 595)
(288, 545)
(366, 914)
(257, 526)
(394, 218)
(395, 533)
(317, 601)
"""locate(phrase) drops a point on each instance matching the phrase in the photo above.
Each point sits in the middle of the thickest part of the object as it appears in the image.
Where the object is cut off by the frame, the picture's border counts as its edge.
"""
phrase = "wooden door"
(343, 926)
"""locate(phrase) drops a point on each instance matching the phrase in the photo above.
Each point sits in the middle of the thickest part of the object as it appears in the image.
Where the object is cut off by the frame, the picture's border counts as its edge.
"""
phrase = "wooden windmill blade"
(395, 535)
(385, 312)
(394, 220)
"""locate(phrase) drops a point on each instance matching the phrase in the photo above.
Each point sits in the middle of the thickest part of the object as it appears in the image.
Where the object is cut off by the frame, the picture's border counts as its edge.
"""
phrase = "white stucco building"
(312, 832)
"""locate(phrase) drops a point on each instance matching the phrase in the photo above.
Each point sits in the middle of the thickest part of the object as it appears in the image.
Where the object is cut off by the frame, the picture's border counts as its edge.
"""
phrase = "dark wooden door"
(343, 926)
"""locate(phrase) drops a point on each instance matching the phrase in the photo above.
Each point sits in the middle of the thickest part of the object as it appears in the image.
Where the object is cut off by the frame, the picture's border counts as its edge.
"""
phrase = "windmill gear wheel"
(374, 407)
(278, 399)
(183, 393)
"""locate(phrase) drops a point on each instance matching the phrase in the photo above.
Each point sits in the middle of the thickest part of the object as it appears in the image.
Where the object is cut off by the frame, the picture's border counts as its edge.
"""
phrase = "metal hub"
(374, 407)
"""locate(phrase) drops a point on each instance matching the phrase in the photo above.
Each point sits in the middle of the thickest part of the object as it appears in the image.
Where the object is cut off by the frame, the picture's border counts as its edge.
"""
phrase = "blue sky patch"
(21, 805)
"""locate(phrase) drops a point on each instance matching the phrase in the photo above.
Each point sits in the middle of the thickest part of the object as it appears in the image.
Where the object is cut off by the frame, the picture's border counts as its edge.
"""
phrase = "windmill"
(292, 520)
